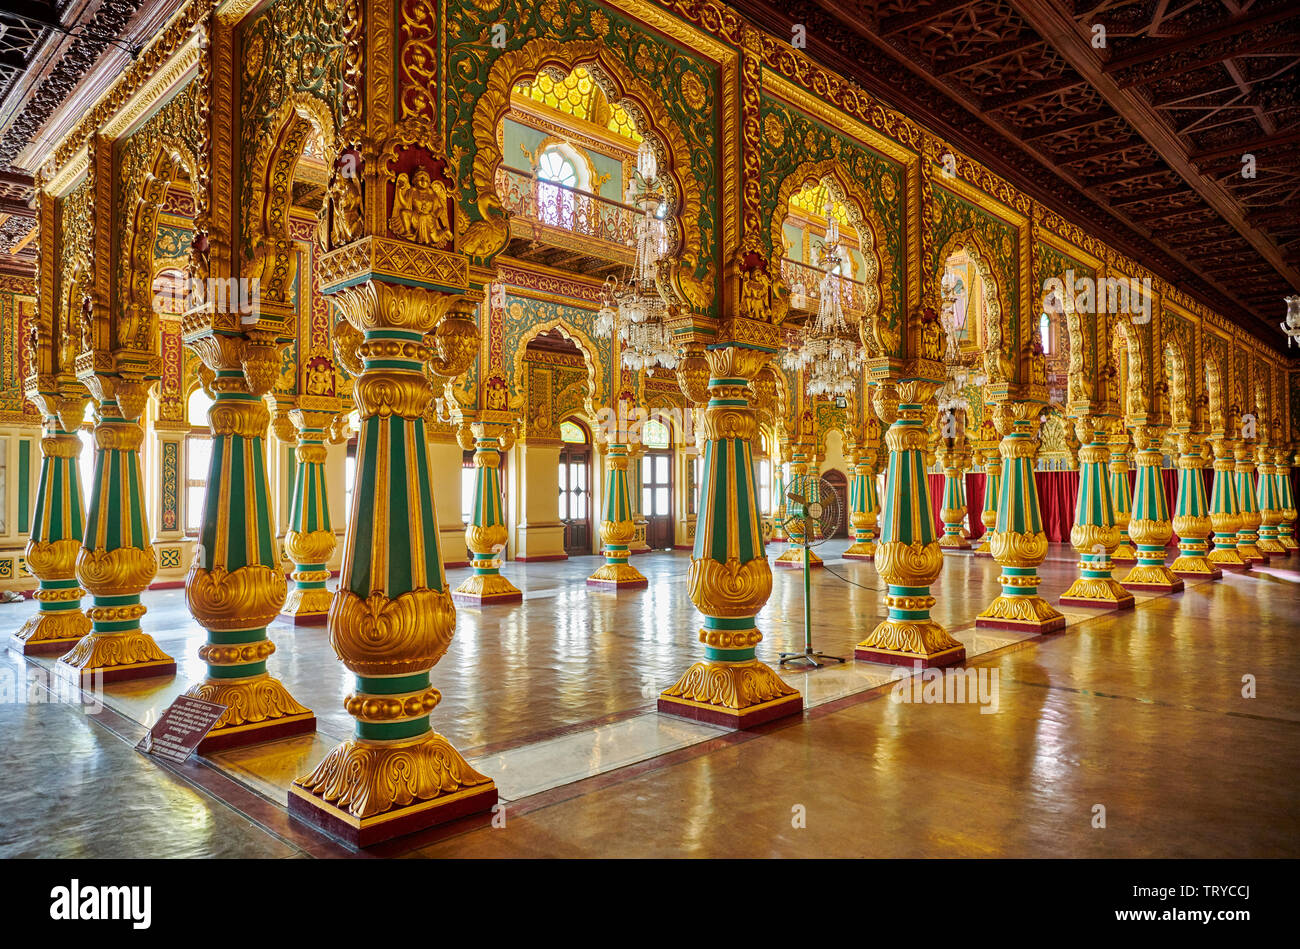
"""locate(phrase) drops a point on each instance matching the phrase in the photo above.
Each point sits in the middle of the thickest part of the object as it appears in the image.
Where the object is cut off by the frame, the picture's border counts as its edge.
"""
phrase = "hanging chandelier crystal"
(829, 352)
(1291, 325)
(633, 308)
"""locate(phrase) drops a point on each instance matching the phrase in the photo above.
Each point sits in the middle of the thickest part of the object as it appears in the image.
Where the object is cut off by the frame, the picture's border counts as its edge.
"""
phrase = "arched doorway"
(575, 488)
(840, 483)
(657, 484)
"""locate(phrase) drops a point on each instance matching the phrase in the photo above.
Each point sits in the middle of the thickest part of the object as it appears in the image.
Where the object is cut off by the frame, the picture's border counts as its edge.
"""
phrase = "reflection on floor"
(1141, 713)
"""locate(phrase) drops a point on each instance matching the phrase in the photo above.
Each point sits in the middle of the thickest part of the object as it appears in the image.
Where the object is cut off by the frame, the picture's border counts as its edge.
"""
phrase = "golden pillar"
(617, 528)
(953, 458)
(486, 534)
(1120, 493)
(1192, 520)
(1019, 543)
(729, 579)
(309, 542)
(1270, 504)
(1248, 504)
(236, 586)
(801, 458)
(1286, 524)
(116, 562)
(1149, 526)
(1095, 534)
(58, 529)
(908, 556)
(1225, 512)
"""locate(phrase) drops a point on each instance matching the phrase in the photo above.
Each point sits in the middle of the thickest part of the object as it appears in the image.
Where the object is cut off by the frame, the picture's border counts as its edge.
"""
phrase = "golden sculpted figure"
(420, 208)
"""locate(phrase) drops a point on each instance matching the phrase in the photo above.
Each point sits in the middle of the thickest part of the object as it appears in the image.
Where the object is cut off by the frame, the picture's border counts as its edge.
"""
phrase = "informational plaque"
(180, 728)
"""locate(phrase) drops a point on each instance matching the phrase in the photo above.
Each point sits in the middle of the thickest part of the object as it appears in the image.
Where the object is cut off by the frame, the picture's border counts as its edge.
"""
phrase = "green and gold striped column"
(1095, 534)
(1225, 514)
(1248, 533)
(392, 617)
(57, 532)
(1286, 526)
(1192, 516)
(729, 579)
(792, 557)
(617, 528)
(116, 562)
(236, 586)
(1150, 526)
(992, 498)
(864, 508)
(1120, 495)
(1019, 543)
(908, 556)
(310, 539)
(778, 501)
(1270, 505)
(953, 510)
(486, 534)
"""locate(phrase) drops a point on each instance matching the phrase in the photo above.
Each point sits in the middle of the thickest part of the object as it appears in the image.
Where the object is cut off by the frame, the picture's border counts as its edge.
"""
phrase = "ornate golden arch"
(268, 252)
(143, 194)
(878, 275)
(595, 368)
(1214, 391)
(487, 237)
(1182, 388)
(997, 366)
(1131, 375)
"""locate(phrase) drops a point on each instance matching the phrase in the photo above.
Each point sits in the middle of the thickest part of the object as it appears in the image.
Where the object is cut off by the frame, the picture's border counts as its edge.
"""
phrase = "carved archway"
(877, 274)
(1214, 394)
(486, 237)
(997, 366)
(1180, 392)
(269, 254)
(595, 368)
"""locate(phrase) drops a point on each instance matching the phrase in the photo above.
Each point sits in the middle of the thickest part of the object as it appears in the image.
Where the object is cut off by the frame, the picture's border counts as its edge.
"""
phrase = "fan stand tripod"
(811, 510)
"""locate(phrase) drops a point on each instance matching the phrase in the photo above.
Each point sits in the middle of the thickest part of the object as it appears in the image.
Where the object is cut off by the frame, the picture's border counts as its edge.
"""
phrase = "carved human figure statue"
(420, 208)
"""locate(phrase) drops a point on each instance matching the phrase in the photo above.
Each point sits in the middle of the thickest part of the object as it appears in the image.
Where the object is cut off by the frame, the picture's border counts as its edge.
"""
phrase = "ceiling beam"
(1155, 49)
(1035, 90)
(1058, 28)
(903, 21)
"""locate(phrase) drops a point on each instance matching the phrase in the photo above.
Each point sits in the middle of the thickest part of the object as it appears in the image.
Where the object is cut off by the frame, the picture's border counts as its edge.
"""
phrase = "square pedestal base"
(1175, 587)
(473, 599)
(1123, 603)
(306, 619)
(42, 647)
(1053, 625)
(729, 718)
(949, 657)
(141, 670)
(618, 584)
(258, 732)
(850, 557)
(359, 832)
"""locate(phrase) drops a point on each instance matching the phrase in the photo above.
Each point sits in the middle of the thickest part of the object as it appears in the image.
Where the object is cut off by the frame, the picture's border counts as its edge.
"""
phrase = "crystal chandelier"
(829, 352)
(634, 308)
(1291, 325)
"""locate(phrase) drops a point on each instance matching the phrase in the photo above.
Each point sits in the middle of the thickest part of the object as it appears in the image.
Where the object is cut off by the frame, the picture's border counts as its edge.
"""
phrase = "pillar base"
(859, 551)
(618, 576)
(307, 607)
(115, 657)
(484, 588)
(1156, 578)
(792, 559)
(366, 792)
(954, 542)
(983, 550)
(1124, 553)
(1250, 553)
(258, 708)
(1104, 592)
(1195, 568)
(1288, 542)
(1271, 547)
(904, 642)
(731, 694)
(1029, 614)
(48, 633)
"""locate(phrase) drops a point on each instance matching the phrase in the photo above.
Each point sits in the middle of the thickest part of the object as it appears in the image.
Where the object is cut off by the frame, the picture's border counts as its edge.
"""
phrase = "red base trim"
(689, 546)
(955, 658)
(89, 677)
(1125, 604)
(43, 647)
(1234, 567)
(544, 558)
(239, 737)
(167, 585)
(1176, 587)
(734, 720)
(796, 566)
(456, 563)
(1024, 626)
(619, 585)
(1215, 574)
(855, 557)
(310, 810)
(307, 619)
(474, 600)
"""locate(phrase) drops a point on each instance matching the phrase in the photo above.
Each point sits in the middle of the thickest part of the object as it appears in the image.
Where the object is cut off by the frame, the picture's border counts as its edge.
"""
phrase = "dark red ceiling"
(1141, 141)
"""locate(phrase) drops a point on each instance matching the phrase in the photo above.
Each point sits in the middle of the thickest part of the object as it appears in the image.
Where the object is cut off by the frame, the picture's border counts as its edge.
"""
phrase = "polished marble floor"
(1141, 713)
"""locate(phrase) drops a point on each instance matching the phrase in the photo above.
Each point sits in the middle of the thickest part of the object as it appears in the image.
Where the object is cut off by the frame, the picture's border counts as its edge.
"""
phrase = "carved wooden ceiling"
(1141, 139)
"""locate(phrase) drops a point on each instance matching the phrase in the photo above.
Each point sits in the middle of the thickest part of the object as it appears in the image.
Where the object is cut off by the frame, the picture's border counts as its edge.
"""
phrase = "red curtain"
(1057, 493)
(975, 503)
